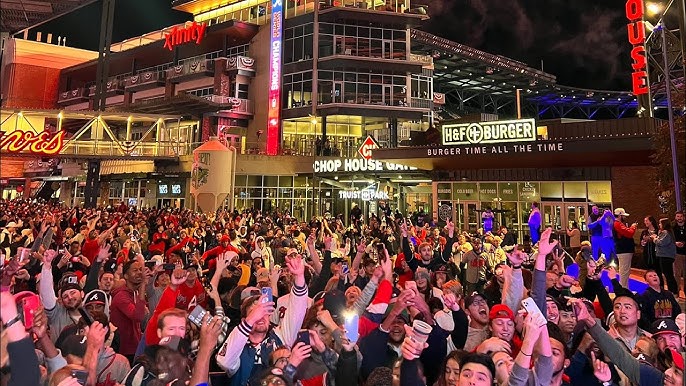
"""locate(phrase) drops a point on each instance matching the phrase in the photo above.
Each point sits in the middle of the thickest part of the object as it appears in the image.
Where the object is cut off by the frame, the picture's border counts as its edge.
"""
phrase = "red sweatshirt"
(126, 312)
(167, 301)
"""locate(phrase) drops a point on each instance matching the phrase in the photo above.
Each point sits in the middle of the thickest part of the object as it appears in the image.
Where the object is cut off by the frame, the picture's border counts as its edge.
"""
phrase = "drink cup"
(420, 331)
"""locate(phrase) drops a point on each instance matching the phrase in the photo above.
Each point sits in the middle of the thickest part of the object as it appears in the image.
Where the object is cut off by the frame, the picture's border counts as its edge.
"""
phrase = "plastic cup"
(420, 331)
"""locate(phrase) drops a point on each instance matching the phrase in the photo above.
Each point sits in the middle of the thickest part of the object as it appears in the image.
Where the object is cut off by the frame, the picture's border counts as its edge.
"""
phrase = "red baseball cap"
(501, 311)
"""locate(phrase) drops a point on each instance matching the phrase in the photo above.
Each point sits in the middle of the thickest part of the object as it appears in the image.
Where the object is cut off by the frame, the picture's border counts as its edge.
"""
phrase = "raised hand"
(178, 277)
(299, 353)
(49, 256)
(95, 335)
(533, 325)
(316, 341)
(544, 244)
(516, 257)
(329, 243)
(296, 266)
(210, 329)
(450, 301)
(411, 349)
(103, 253)
(611, 272)
(600, 369)
(494, 344)
(361, 247)
(261, 309)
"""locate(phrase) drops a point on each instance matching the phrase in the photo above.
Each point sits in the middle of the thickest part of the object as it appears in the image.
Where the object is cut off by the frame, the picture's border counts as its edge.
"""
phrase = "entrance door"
(576, 212)
(552, 216)
(337, 92)
(467, 217)
(387, 95)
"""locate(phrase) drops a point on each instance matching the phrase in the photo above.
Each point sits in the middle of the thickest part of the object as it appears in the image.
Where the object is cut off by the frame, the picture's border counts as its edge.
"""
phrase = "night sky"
(582, 42)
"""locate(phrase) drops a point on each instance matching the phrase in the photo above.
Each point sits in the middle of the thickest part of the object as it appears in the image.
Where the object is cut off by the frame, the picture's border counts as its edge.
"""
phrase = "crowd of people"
(138, 297)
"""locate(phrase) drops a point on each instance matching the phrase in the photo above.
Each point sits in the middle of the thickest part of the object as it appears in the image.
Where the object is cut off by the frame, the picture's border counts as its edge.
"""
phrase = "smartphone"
(28, 305)
(530, 306)
(151, 264)
(80, 376)
(411, 284)
(196, 315)
(345, 269)
(269, 295)
(24, 255)
(169, 267)
(303, 336)
(86, 316)
(352, 322)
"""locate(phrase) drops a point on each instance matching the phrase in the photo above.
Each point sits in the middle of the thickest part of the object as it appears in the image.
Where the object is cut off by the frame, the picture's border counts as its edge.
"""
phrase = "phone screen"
(196, 315)
(303, 336)
(269, 295)
(351, 325)
(29, 305)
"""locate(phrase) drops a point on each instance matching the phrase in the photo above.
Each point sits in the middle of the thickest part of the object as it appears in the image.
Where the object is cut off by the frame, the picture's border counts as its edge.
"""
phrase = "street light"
(653, 8)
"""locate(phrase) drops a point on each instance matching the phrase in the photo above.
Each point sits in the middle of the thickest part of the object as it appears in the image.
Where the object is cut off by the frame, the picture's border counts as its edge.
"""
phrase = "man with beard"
(61, 312)
(245, 353)
(476, 308)
(426, 258)
(381, 347)
(129, 308)
(667, 335)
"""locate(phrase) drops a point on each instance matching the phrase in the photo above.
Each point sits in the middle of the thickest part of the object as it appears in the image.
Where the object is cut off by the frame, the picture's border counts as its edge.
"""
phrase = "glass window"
(575, 191)
(551, 191)
(529, 191)
(508, 191)
(286, 181)
(488, 192)
(271, 181)
(254, 181)
(465, 191)
(600, 192)
(444, 191)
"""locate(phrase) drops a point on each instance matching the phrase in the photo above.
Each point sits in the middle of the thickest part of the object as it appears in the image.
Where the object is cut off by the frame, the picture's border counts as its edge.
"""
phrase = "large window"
(297, 90)
(271, 193)
(297, 43)
(362, 40)
(358, 87)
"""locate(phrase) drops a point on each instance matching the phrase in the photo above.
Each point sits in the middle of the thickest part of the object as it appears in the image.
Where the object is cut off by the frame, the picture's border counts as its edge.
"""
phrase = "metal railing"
(109, 148)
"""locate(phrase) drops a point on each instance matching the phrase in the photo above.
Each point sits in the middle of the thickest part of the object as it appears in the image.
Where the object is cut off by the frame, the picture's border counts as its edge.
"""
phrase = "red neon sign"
(274, 108)
(186, 34)
(637, 37)
(43, 143)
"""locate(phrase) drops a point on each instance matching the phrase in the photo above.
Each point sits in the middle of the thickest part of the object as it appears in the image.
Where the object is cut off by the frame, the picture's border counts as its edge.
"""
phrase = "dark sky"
(582, 42)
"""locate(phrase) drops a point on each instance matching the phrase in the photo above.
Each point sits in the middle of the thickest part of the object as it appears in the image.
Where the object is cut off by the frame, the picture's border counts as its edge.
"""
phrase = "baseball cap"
(664, 326)
(70, 286)
(676, 357)
(621, 212)
(501, 311)
(95, 297)
(262, 274)
(469, 300)
(250, 291)
(225, 239)
(74, 345)
(176, 343)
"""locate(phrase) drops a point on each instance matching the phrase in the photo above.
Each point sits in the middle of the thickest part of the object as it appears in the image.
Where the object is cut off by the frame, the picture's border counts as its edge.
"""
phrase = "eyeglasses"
(282, 361)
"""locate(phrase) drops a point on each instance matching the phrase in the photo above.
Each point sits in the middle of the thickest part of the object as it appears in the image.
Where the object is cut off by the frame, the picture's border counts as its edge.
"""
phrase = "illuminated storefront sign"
(356, 165)
(44, 143)
(194, 32)
(520, 130)
(524, 148)
(364, 195)
(274, 108)
(368, 145)
(637, 37)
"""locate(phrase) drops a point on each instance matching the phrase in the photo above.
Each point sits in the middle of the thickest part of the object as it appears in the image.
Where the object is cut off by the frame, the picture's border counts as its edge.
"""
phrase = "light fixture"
(654, 8)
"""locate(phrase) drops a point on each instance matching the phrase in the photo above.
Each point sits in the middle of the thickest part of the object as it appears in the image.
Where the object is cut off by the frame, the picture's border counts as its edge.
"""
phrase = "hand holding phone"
(351, 326)
(530, 306)
(304, 337)
(197, 315)
(268, 295)
(81, 376)
(411, 285)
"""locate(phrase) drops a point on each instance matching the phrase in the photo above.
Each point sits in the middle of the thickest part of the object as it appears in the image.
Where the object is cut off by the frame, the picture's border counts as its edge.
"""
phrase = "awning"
(126, 167)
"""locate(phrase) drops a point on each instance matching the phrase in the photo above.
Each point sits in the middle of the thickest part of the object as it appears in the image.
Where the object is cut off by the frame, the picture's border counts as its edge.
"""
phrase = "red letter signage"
(637, 38)
(43, 143)
(186, 34)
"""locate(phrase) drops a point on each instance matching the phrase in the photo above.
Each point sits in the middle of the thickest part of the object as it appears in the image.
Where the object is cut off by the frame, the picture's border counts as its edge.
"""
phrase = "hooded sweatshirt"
(127, 312)
(112, 368)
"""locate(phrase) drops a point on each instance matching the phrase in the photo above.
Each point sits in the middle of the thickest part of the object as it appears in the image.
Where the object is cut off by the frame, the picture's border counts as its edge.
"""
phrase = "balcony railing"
(191, 69)
(420, 103)
(235, 105)
(242, 65)
(109, 148)
(72, 96)
(144, 81)
(113, 86)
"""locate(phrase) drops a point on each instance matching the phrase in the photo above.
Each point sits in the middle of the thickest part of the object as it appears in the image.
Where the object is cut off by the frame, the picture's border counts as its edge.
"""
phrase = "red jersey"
(90, 249)
(188, 297)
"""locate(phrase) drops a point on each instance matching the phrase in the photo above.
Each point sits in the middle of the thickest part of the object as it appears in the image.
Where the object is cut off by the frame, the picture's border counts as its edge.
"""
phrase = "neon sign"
(637, 37)
(44, 143)
(368, 145)
(518, 130)
(186, 34)
(274, 108)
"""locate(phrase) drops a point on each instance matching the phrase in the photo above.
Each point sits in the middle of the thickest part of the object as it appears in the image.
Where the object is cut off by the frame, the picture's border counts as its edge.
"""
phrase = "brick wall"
(633, 189)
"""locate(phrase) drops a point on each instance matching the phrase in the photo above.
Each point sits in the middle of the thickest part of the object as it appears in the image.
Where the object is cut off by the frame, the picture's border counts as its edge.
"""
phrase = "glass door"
(552, 216)
(467, 217)
(576, 212)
